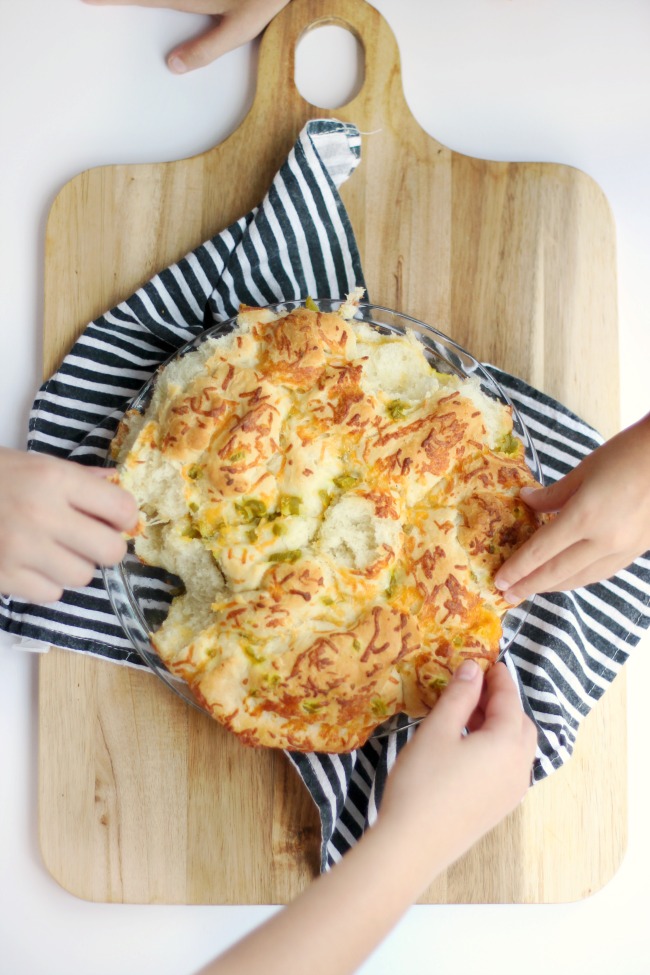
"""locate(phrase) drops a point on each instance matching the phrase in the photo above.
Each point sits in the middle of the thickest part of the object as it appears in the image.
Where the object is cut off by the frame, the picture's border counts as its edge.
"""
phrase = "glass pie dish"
(141, 594)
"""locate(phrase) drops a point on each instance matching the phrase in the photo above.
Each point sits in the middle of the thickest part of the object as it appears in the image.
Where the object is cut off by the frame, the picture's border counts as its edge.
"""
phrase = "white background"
(554, 80)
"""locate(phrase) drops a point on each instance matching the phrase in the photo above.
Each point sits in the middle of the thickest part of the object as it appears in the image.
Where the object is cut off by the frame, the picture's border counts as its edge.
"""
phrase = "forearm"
(446, 790)
(337, 922)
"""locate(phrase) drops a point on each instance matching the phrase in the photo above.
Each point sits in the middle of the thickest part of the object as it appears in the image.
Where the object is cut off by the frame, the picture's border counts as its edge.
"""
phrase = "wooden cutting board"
(143, 799)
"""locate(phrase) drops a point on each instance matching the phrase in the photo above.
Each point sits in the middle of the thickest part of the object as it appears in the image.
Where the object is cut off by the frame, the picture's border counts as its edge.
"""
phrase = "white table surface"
(562, 81)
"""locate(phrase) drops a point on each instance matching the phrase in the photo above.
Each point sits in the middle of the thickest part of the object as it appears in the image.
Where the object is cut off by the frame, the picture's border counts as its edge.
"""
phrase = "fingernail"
(467, 670)
(501, 583)
(512, 597)
(176, 64)
(527, 491)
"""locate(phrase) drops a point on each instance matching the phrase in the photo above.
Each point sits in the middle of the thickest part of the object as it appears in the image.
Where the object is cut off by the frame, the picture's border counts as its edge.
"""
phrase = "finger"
(109, 474)
(548, 542)
(91, 539)
(554, 496)
(106, 501)
(457, 702)
(61, 566)
(189, 6)
(476, 720)
(231, 31)
(502, 705)
(31, 586)
(550, 576)
(477, 717)
(598, 571)
(206, 48)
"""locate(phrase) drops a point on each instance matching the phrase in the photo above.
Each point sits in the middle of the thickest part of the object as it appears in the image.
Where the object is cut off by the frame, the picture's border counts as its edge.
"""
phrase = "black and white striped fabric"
(299, 241)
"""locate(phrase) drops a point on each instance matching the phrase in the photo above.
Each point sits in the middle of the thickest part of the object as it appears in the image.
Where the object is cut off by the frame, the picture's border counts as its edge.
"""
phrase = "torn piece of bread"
(337, 510)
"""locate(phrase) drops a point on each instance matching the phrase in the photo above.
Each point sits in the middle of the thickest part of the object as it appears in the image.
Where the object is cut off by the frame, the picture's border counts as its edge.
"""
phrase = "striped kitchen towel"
(299, 241)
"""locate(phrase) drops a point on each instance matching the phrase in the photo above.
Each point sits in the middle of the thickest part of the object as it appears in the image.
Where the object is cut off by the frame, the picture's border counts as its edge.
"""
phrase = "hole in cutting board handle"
(330, 65)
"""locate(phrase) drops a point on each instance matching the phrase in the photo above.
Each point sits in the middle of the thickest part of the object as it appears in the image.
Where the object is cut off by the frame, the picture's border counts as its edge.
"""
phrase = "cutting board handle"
(382, 83)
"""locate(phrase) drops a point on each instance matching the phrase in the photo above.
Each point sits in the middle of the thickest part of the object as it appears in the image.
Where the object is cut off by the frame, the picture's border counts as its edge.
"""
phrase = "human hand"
(58, 520)
(446, 790)
(603, 522)
(443, 793)
(237, 22)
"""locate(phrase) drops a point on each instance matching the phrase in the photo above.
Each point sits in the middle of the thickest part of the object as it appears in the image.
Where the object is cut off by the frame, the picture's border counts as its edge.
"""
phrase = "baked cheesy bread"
(337, 510)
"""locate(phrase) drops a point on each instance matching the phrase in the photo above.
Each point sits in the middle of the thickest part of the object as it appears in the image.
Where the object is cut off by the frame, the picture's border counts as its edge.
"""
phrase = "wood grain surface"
(144, 800)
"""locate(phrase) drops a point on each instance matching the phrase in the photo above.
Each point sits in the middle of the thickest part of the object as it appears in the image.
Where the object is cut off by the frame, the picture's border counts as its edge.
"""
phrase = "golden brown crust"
(297, 348)
(357, 533)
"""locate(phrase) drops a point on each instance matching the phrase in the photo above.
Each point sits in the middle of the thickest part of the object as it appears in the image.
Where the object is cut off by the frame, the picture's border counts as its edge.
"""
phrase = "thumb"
(553, 497)
(458, 701)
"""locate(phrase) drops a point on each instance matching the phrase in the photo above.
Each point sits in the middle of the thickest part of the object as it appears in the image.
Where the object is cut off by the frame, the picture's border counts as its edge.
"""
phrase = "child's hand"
(603, 522)
(58, 520)
(238, 21)
(446, 790)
